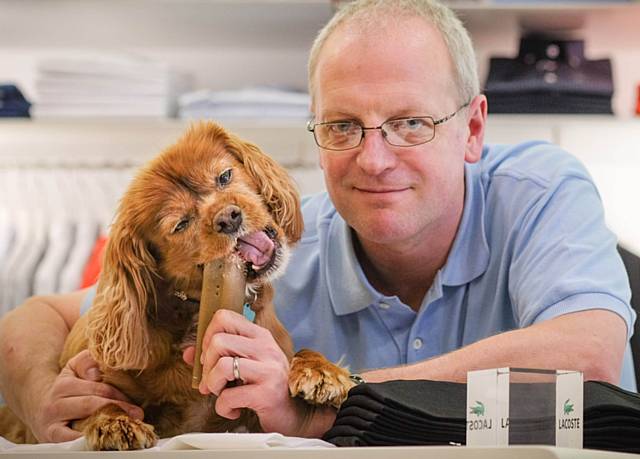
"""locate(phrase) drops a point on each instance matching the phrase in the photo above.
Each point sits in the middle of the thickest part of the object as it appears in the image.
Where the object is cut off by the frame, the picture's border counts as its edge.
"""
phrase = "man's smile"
(381, 190)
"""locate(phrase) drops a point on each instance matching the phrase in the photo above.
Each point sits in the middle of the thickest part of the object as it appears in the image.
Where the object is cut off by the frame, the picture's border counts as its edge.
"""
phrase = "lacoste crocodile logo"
(568, 407)
(478, 409)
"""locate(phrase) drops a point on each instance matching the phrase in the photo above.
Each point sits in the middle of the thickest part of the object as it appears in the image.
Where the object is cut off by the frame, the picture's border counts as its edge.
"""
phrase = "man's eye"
(415, 123)
(181, 226)
(225, 177)
(341, 128)
(409, 124)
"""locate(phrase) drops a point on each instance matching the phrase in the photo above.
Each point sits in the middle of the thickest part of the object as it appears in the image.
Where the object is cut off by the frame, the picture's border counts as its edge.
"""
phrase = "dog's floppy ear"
(118, 328)
(276, 187)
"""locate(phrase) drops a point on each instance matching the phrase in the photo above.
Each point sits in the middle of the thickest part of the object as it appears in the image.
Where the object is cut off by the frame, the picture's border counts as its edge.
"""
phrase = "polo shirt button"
(384, 305)
(417, 343)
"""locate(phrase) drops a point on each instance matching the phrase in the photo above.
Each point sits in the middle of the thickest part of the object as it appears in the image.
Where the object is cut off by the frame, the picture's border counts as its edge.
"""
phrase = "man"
(430, 256)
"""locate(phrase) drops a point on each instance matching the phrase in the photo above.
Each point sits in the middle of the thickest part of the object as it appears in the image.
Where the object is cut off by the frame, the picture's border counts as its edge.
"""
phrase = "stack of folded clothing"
(259, 102)
(402, 413)
(549, 76)
(398, 413)
(12, 102)
(611, 418)
(120, 86)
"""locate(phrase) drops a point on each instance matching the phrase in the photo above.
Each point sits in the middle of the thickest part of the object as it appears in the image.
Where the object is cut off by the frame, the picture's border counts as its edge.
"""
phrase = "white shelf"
(130, 142)
(125, 142)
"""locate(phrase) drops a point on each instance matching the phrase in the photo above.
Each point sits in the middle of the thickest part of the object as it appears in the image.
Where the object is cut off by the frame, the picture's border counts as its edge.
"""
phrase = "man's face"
(392, 194)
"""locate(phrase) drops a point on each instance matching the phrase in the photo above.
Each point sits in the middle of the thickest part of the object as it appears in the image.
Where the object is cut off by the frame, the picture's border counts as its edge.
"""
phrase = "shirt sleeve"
(565, 258)
(88, 300)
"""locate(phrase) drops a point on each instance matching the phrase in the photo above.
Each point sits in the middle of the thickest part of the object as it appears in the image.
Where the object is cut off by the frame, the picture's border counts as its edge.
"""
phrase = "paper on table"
(192, 441)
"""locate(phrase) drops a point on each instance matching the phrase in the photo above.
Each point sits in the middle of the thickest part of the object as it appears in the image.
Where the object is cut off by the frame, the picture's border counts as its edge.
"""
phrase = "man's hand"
(74, 394)
(264, 371)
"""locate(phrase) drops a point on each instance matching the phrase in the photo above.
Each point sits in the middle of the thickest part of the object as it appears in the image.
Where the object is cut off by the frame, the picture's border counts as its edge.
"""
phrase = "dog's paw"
(109, 432)
(316, 380)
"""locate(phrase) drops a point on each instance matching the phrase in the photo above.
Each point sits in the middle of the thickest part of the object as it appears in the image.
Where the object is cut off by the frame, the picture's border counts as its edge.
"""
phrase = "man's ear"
(477, 119)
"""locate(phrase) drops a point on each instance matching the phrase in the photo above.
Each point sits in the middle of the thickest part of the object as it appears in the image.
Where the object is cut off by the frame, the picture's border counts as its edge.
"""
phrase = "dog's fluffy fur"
(194, 203)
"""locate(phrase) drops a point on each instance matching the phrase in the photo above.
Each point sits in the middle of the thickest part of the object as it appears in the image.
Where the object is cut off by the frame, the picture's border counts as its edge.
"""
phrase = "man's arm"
(590, 341)
(32, 337)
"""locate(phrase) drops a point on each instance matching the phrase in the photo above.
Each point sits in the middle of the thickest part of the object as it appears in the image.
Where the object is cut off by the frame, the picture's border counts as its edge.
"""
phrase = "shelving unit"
(235, 43)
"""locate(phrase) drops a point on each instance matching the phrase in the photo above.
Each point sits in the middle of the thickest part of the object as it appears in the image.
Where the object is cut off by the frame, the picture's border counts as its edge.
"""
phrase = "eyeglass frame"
(311, 126)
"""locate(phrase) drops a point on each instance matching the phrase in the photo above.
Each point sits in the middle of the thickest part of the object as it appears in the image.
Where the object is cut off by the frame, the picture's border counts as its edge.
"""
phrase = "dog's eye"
(225, 177)
(181, 226)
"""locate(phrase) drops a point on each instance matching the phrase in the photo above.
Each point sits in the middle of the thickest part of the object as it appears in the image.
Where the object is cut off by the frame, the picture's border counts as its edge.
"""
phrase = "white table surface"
(402, 452)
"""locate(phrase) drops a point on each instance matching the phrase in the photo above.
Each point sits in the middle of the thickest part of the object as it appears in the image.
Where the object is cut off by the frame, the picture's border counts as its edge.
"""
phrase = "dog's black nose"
(228, 220)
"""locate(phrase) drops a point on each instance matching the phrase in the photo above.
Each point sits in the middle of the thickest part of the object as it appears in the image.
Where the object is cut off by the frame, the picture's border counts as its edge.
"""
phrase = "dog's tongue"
(256, 248)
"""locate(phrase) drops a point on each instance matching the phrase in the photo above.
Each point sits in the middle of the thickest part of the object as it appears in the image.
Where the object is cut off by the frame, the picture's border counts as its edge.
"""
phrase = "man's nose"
(375, 155)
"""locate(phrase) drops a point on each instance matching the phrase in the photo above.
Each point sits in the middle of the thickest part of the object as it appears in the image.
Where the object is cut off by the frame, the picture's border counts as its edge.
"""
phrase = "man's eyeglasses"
(399, 132)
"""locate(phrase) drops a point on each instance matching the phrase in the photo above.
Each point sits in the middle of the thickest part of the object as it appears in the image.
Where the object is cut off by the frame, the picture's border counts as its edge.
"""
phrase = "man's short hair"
(455, 35)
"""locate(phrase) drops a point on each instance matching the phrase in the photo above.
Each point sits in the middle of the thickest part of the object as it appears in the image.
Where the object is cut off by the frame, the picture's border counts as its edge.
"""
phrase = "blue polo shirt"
(532, 245)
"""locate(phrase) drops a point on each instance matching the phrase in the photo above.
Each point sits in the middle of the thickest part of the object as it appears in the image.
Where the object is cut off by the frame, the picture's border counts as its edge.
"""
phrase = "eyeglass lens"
(400, 132)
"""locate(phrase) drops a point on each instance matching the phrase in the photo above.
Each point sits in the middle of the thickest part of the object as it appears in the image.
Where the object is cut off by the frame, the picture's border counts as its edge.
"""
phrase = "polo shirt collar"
(349, 289)
(469, 255)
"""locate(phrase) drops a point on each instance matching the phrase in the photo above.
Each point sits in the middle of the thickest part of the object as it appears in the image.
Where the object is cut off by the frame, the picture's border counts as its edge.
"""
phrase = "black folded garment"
(12, 102)
(549, 76)
(424, 412)
(549, 103)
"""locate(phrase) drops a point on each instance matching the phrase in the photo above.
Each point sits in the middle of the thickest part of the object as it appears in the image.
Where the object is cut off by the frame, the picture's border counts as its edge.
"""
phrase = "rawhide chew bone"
(223, 286)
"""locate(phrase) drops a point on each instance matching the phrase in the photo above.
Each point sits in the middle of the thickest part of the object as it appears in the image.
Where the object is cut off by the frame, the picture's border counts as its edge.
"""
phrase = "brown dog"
(210, 195)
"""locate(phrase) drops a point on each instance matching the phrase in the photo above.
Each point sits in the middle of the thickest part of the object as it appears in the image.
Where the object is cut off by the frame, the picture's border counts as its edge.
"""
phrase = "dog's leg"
(266, 317)
(110, 428)
(316, 380)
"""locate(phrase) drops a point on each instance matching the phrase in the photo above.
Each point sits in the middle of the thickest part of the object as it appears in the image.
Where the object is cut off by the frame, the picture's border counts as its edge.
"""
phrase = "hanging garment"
(87, 233)
(23, 272)
(17, 252)
(61, 237)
